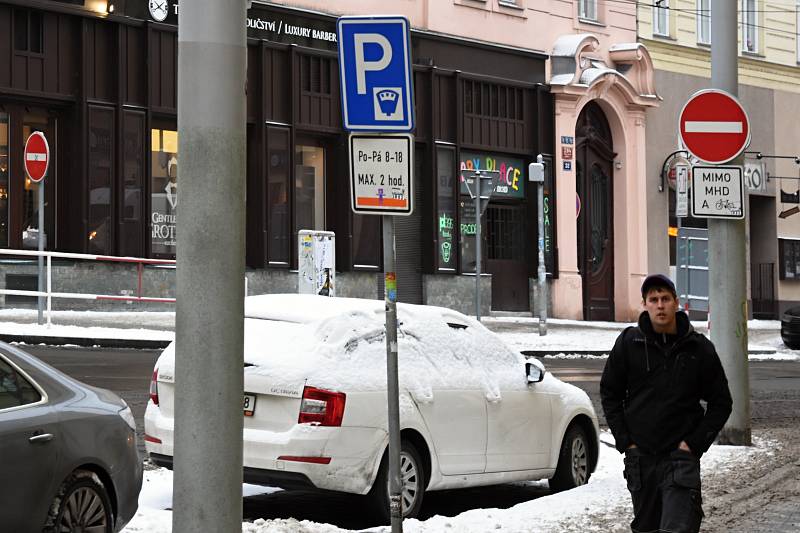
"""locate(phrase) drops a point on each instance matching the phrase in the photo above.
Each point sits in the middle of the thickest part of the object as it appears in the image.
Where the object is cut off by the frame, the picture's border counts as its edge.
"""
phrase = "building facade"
(678, 36)
(497, 82)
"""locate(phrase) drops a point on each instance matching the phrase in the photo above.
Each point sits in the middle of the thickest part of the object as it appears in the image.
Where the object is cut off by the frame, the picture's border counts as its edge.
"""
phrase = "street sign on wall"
(375, 73)
(37, 156)
(714, 126)
(380, 174)
(717, 192)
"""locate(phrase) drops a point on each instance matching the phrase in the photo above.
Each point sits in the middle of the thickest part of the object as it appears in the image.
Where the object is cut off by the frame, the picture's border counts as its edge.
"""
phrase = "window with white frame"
(704, 21)
(661, 18)
(750, 26)
(797, 29)
(587, 10)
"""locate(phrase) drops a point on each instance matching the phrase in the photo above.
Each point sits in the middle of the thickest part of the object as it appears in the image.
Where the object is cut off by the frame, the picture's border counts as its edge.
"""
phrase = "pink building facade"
(602, 84)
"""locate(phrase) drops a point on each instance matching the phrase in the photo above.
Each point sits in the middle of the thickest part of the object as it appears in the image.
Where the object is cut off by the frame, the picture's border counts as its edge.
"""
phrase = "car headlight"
(126, 414)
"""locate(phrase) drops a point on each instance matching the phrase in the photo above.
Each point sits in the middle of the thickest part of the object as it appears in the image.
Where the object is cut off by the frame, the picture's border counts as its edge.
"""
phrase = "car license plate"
(249, 404)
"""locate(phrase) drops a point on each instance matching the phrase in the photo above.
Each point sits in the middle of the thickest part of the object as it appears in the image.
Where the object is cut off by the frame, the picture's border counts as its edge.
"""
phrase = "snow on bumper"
(355, 452)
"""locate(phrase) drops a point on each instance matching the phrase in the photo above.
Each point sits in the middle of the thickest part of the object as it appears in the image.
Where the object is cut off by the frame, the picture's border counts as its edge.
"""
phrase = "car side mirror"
(534, 371)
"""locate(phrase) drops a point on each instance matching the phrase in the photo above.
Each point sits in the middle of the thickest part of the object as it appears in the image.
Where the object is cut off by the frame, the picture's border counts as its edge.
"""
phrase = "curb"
(597, 353)
(141, 344)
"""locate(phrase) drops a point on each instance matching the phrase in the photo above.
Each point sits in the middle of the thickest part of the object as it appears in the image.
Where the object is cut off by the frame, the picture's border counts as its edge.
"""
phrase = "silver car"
(68, 455)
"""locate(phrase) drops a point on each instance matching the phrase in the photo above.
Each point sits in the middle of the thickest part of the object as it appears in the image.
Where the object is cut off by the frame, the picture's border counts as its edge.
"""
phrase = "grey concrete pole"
(209, 326)
(727, 249)
(541, 271)
(392, 381)
(477, 184)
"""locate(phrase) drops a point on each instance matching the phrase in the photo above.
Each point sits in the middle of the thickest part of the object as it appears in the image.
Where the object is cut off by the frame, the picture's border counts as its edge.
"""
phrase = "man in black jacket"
(652, 385)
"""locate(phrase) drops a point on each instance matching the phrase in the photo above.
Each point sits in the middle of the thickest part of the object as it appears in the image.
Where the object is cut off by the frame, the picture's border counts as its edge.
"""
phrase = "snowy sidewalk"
(601, 505)
(148, 329)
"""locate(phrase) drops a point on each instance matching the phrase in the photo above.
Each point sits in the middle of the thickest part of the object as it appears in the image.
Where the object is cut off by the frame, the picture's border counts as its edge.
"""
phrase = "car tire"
(573, 461)
(81, 502)
(412, 472)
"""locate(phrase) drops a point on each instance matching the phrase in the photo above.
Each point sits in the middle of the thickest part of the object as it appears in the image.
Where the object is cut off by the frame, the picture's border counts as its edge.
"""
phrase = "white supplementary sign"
(380, 174)
(681, 191)
(717, 192)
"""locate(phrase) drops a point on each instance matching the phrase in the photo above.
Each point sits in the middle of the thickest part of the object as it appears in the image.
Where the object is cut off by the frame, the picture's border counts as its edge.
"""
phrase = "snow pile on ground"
(600, 506)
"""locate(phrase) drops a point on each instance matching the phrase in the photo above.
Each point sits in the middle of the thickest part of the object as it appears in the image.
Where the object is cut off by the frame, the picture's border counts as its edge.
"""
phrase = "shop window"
(446, 208)
(750, 26)
(789, 253)
(278, 196)
(30, 198)
(131, 238)
(309, 189)
(704, 21)
(28, 31)
(4, 181)
(366, 241)
(164, 189)
(100, 179)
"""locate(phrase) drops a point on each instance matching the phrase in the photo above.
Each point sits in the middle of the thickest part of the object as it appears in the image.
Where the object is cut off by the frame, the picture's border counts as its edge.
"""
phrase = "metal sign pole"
(477, 185)
(727, 251)
(392, 386)
(40, 299)
(541, 271)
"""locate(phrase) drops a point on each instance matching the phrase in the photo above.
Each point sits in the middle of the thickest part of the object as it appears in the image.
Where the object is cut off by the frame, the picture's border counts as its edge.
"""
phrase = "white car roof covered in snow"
(307, 308)
(340, 344)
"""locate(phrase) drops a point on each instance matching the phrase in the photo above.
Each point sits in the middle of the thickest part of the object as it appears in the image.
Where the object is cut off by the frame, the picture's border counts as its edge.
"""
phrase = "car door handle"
(42, 437)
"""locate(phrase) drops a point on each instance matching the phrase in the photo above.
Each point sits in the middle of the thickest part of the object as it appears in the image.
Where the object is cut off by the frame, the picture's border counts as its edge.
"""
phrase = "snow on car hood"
(340, 344)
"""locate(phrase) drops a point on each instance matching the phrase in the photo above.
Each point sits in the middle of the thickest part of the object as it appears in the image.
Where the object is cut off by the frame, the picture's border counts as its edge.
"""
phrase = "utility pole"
(209, 328)
(727, 249)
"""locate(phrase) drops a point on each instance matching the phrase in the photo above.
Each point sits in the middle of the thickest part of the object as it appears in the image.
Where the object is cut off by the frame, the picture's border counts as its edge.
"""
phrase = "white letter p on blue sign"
(375, 74)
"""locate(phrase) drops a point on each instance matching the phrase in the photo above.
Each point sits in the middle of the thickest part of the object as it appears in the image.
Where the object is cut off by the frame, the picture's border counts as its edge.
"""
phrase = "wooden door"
(594, 182)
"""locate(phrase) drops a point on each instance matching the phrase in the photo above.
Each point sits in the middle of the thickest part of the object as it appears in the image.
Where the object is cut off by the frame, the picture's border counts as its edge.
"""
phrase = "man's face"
(661, 305)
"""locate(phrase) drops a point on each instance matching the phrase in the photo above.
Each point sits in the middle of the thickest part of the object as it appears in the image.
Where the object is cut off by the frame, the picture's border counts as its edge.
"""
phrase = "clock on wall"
(159, 9)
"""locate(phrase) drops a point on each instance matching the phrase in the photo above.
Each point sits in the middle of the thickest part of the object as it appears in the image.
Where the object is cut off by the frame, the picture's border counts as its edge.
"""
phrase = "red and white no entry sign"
(714, 126)
(37, 156)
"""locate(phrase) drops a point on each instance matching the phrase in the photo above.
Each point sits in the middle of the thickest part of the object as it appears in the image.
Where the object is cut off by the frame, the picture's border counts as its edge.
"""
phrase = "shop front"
(103, 86)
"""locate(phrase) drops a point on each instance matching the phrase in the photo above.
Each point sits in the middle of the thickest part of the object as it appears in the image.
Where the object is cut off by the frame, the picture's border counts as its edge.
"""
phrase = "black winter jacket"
(651, 393)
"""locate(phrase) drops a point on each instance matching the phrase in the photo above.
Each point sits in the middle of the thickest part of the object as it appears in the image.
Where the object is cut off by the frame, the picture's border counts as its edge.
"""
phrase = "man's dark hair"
(658, 281)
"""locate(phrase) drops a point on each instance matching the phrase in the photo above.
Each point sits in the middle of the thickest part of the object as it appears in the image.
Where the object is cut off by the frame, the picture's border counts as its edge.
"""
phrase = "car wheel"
(573, 461)
(412, 475)
(82, 504)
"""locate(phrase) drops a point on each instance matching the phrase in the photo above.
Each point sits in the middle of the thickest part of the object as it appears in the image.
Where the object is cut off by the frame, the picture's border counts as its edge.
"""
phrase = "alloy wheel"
(580, 463)
(83, 512)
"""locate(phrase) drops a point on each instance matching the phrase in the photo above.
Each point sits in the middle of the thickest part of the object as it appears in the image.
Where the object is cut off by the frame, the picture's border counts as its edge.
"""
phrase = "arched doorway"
(594, 162)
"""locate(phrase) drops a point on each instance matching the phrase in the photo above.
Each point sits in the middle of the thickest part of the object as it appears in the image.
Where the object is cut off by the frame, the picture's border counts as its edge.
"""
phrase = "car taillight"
(321, 407)
(154, 387)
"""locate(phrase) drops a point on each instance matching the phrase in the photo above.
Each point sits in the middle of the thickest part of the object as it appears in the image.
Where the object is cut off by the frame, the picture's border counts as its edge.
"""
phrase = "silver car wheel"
(409, 475)
(580, 462)
(83, 511)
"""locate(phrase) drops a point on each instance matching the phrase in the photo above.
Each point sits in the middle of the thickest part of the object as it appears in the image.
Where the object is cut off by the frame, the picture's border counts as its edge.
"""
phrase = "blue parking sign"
(375, 73)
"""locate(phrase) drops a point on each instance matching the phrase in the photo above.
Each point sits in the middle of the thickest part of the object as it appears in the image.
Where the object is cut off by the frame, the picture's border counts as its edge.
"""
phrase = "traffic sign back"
(375, 74)
(37, 156)
(714, 126)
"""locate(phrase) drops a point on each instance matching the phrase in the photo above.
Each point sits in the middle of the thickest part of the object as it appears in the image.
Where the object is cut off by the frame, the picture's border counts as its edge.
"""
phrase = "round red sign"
(714, 126)
(37, 156)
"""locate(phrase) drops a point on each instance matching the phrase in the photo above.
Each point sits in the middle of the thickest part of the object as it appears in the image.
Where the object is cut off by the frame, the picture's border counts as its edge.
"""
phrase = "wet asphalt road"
(775, 394)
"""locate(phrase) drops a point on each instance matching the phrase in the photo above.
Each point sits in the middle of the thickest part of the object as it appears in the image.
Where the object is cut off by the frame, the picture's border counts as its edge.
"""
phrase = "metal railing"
(49, 294)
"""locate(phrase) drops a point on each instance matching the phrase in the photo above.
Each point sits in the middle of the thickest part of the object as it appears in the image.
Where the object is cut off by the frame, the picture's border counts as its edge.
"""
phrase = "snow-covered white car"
(472, 411)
